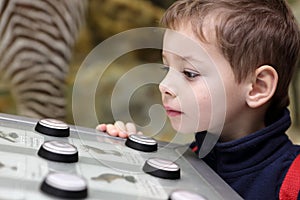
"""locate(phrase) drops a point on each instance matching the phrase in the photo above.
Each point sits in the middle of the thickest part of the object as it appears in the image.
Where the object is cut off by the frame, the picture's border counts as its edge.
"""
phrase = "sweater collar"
(256, 149)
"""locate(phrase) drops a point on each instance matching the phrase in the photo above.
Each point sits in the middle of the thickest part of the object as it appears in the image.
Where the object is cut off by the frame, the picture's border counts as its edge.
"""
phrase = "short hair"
(249, 34)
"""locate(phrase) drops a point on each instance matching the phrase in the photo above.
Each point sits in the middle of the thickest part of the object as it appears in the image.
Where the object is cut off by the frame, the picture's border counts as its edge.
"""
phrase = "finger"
(111, 130)
(131, 129)
(123, 134)
(101, 127)
(120, 126)
(139, 133)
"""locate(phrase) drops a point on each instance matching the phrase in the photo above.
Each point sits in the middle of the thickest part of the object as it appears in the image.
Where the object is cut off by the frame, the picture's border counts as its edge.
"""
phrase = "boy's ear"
(262, 86)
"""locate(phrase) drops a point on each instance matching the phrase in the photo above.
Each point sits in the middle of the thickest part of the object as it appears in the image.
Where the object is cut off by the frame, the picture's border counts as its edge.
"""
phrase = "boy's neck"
(245, 123)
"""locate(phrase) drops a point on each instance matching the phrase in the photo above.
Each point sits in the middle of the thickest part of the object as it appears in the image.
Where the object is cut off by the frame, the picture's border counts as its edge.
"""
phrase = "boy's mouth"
(172, 112)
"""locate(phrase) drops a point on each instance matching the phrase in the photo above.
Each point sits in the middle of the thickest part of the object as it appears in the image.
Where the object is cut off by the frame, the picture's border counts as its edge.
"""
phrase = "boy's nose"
(165, 90)
(169, 85)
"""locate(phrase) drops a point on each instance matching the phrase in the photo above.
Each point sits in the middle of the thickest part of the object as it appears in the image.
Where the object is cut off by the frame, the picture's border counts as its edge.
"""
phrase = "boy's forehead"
(183, 43)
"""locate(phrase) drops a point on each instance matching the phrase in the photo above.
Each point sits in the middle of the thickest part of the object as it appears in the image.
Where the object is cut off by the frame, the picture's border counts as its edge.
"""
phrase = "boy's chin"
(187, 130)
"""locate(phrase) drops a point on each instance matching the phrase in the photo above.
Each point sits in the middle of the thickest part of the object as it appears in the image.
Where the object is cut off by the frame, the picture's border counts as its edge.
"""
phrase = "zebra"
(36, 42)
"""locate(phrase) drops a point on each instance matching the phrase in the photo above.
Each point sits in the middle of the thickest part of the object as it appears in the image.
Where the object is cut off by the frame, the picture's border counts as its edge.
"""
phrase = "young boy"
(254, 44)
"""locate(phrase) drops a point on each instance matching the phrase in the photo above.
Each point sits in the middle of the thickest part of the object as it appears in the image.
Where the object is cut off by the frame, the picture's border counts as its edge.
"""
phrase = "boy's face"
(198, 84)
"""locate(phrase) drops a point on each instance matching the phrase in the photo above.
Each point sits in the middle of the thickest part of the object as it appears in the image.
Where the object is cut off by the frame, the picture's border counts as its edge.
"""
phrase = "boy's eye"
(165, 68)
(190, 74)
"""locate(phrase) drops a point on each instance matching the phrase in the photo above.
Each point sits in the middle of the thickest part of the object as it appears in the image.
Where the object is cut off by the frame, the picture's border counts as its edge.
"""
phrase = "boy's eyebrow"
(190, 57)
(187, 57)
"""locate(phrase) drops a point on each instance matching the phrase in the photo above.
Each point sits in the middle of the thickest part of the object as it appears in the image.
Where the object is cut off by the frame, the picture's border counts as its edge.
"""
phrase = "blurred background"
(103, 19)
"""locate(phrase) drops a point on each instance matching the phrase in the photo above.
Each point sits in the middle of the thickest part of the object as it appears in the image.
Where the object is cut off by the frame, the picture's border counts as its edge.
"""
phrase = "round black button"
(58, 151)
(53, 127)
(185, 195)
(141, 143)
(65, 185)
(162, 168)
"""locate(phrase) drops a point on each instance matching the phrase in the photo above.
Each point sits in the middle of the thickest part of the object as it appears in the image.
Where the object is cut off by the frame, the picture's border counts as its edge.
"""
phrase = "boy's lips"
(172, 112)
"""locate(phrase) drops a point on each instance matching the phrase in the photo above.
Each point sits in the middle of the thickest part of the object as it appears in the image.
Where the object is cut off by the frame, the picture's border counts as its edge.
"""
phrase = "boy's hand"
(119, 129)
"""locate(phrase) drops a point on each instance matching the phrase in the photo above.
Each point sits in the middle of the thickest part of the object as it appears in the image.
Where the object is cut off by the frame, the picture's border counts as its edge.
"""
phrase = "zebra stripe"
(36, 42)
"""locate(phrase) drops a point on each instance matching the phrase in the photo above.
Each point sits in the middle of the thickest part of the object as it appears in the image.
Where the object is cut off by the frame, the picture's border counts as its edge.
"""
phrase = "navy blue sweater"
(255, 165)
